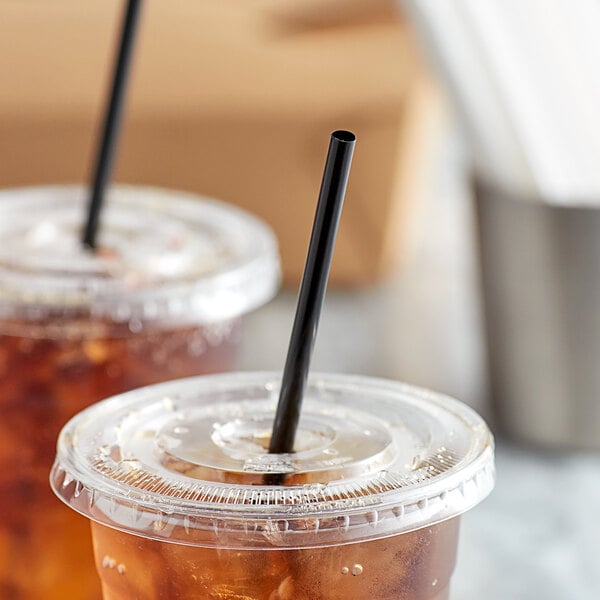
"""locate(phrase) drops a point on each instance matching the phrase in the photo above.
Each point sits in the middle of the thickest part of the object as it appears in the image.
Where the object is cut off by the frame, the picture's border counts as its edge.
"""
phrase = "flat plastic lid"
(186, 461)
(161, 254)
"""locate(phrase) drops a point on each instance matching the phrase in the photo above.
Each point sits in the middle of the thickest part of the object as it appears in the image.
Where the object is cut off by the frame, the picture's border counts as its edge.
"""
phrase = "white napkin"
(525, 75)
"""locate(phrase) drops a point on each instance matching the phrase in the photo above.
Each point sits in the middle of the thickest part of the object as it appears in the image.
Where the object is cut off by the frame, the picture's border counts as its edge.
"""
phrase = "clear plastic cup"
(186, 503)
(162, 298)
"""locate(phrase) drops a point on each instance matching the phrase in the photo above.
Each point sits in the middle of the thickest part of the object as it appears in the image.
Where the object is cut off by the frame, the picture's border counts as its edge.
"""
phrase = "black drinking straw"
(312, 291)
(112, 120)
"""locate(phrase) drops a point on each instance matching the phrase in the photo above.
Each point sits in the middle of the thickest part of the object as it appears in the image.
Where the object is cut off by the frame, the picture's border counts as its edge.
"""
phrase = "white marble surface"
(537, 537)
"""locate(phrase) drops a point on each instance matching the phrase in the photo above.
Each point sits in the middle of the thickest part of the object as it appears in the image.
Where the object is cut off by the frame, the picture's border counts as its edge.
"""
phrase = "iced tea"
(367, 506)
(411, 566)
(44, 381)
(162, 298)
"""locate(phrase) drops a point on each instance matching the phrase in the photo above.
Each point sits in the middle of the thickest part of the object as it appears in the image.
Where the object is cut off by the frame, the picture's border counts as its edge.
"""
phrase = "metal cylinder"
(540, 268)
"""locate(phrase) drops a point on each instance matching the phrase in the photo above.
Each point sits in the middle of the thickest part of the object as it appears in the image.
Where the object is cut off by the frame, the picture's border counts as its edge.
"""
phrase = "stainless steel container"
(541, 288)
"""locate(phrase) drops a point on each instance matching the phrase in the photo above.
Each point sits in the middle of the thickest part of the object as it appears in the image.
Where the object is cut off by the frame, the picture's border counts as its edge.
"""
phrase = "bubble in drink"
(192, 517)
(76, 328)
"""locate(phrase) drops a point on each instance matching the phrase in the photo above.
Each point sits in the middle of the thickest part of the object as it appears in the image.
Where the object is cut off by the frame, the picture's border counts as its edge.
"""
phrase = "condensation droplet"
(121, 569)
(197, 347)
(159, 356)
(135, 325)
(357, 570)
(345, 570)
(434, 582)
(108, 562)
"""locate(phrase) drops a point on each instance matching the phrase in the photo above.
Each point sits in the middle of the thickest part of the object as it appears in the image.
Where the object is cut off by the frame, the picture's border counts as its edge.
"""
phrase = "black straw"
(112, 120)
(312, 290)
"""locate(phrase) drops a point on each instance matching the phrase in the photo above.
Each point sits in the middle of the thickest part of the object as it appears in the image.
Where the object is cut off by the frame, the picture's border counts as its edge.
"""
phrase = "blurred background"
(467, 259)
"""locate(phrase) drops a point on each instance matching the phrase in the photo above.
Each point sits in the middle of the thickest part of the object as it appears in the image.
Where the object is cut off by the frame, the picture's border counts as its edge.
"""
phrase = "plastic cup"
(173, 476)
(162, 298)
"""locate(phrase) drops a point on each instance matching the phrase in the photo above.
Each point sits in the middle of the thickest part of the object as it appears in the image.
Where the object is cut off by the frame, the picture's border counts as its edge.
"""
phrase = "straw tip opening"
(343, 135)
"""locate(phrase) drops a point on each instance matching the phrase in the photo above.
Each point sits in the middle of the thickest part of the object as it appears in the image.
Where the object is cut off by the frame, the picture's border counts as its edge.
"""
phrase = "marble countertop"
(536, 537)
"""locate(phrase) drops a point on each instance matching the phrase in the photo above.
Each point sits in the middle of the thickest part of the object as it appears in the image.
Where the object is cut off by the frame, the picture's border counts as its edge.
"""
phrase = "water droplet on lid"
(416, 462)
(121, 569)
(345, 570)
(434, 582)
(357, 570)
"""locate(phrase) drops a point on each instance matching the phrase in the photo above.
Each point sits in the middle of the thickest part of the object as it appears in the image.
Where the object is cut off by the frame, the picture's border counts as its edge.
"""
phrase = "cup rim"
(246, 276)
(377, 505)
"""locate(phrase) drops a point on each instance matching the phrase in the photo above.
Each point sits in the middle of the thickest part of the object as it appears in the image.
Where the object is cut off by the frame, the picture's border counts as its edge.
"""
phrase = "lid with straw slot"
(188, 461)
(161, 255)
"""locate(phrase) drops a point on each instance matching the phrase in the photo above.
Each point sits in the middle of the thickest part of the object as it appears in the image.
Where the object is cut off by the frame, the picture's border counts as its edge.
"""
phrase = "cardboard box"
(234, 100)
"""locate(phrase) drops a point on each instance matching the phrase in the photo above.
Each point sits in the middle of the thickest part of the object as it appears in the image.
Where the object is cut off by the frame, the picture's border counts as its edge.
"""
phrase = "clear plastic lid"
(161, 255)
(187, 462)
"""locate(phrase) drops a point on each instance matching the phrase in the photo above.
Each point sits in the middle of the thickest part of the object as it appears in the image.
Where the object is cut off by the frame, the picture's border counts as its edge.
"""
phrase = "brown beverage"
(43, 383)
(412, 566)
(368, 507)
(75, 329)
